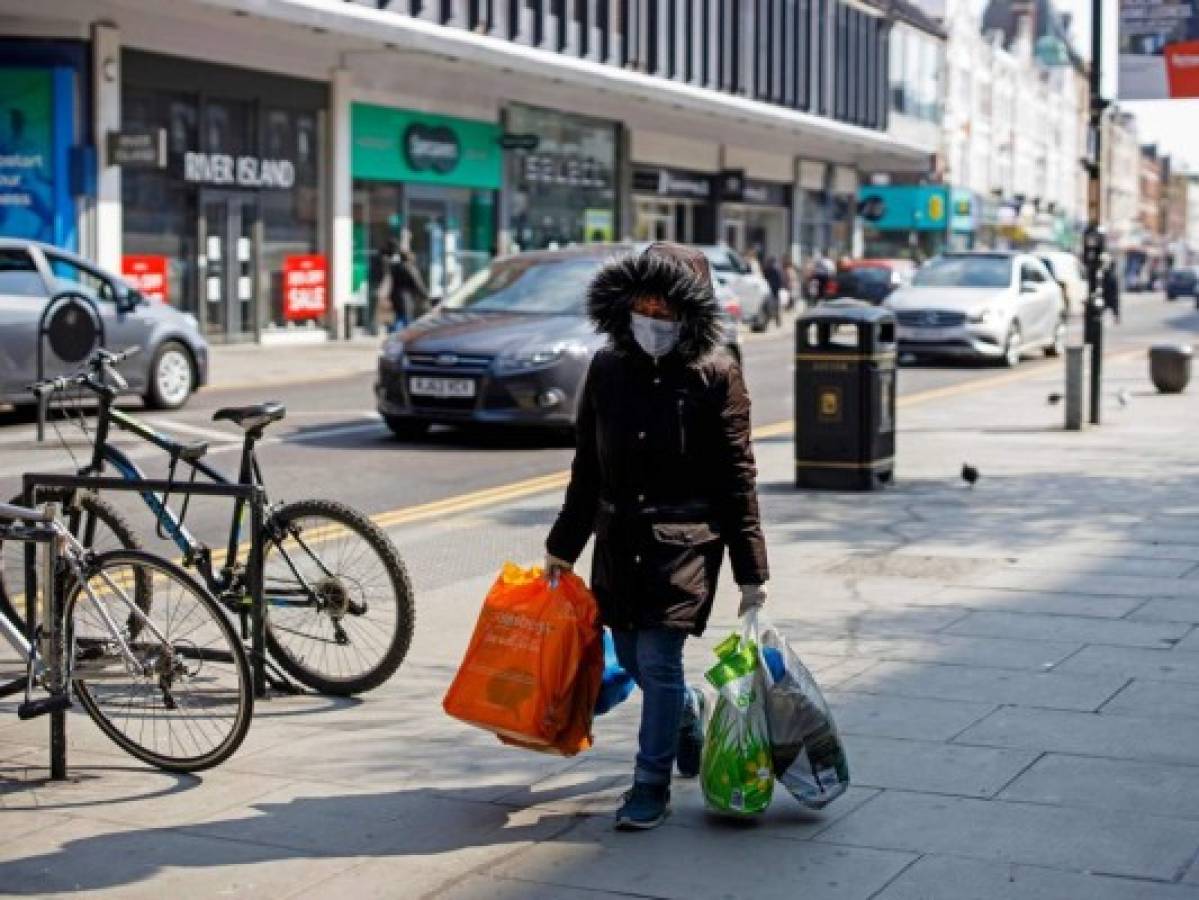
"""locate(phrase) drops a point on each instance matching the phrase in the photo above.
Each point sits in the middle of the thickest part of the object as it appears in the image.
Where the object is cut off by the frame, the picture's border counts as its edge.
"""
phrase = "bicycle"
(170, 685)
(338, 602)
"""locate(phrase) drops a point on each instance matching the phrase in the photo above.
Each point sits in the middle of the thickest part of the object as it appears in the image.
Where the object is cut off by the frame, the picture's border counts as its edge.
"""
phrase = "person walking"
(774, 280)
(404, 286)
(664, 476)
(792, 280)
(1110, 285)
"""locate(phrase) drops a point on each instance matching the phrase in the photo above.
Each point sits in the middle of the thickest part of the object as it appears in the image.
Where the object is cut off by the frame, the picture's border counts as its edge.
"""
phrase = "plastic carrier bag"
(807, 754)
(532, 670)
(736, 773)
(617, 684)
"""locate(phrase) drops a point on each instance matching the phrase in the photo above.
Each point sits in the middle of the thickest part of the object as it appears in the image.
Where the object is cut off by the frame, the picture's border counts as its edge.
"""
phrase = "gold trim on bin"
(843, 357)
(813, 464)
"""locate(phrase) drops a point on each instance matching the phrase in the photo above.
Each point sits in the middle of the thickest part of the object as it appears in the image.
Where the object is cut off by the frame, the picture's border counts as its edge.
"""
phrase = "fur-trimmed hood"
(612, 291)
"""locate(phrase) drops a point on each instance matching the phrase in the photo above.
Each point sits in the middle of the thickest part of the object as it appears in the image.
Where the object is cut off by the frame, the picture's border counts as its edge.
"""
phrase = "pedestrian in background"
(403, 287)
(664, 475)
(774, 280)
(1111, 287)
(793, 281)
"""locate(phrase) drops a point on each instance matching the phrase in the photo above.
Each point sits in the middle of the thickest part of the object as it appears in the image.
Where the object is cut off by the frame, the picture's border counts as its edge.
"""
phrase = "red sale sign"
(147, 275)
(305, 287)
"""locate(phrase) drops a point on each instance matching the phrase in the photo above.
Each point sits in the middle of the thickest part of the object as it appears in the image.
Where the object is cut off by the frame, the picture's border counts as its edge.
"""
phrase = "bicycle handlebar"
(99, 374)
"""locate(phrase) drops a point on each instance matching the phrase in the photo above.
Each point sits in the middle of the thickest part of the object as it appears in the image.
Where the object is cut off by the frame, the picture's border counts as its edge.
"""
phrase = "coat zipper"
(682, 430)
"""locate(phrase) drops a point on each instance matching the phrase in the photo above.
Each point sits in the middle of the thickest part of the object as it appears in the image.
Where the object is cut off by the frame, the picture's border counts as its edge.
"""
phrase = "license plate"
(443, 388)
(927, 334)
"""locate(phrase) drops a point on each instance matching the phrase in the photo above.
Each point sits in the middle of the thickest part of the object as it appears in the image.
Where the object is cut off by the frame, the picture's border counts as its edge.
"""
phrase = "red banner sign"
(305, 287)
(147, 275)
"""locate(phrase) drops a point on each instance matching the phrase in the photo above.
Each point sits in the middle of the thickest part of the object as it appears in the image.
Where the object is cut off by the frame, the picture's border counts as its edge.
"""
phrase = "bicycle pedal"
(35, 708)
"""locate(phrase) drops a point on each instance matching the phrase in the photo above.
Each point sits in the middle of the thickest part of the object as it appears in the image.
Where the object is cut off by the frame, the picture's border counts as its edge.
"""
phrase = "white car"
(752, 291)
(1067, 271)
(996, 306)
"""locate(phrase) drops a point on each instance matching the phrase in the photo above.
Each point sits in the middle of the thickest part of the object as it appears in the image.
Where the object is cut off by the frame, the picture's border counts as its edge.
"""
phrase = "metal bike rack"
(54, 675)
(253, 495)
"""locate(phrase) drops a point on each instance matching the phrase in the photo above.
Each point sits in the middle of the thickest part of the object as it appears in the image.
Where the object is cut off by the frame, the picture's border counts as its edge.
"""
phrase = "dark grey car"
(511, 346)
(174, 357)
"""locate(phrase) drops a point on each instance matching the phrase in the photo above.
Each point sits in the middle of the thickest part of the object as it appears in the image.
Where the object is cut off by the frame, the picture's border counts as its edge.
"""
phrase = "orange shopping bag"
(520, 677)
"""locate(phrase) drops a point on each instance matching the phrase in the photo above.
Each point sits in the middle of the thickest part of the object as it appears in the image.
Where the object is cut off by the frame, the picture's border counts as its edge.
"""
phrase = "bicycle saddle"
(251, 417)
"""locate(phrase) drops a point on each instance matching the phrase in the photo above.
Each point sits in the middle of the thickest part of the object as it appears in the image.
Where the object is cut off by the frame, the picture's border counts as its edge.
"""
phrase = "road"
(332, 444)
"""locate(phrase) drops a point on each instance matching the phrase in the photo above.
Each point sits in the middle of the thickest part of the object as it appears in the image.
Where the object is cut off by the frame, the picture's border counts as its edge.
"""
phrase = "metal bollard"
(1074, 369)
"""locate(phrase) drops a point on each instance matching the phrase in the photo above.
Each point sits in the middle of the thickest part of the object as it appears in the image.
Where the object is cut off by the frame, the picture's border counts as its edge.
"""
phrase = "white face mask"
(655, 336)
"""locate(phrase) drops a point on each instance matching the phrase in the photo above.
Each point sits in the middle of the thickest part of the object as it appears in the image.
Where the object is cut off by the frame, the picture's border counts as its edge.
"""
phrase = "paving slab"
(1031, 627)
(1115, 784)
(1168, 611)
(914, 718)
(124, 861)
(1143, 586)
(1170, 699)
(1129, 844)
(1143, 738)
(1135, 662)
(1034, 601)
(1049, 689)
(948, 878)
(998, 653)
(668, 863)
(933, 767)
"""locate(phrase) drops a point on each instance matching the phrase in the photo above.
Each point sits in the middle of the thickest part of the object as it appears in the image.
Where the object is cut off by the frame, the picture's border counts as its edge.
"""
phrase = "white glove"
(554, 567)
(753, 596)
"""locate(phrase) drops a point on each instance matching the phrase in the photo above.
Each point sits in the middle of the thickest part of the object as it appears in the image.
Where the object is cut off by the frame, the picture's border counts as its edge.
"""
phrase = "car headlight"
(392, 350)
(530, 360)
(982, 317)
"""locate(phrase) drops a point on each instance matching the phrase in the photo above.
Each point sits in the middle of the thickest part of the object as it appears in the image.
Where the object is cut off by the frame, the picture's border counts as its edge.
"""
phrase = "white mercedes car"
(999, 306)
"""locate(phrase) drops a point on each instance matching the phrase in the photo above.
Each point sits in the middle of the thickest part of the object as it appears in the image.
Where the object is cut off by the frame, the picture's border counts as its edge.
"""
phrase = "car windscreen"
(19, 277)
(538, 286)
(965, 272)
(870, 275)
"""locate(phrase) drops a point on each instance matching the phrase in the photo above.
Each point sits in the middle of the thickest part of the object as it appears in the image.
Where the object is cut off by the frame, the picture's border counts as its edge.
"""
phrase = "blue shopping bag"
(617, 684)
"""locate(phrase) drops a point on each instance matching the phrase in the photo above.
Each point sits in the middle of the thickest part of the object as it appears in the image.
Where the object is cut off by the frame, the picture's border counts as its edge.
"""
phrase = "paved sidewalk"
(1015, 669)
(263, 365)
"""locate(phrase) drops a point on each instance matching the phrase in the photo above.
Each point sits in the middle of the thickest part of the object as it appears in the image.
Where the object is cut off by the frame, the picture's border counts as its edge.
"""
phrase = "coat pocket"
(684, 559)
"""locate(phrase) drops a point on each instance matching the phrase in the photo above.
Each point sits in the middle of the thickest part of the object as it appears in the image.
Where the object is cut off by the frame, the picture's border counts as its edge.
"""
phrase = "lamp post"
(1094, 238)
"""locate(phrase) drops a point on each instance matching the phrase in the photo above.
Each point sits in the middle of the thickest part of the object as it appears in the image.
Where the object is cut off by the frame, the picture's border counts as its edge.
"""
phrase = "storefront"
(904, 221)
(962, 207)
(674, 205)
(232, 214)
(562, 178)
(755, 214)
(427, 184)
(44, 166)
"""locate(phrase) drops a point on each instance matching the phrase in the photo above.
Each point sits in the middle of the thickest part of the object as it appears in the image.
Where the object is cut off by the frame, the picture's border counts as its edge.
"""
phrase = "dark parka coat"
(664, 470)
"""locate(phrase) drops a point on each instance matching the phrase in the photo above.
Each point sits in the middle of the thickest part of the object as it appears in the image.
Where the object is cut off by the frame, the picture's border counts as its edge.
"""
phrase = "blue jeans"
(654, 657)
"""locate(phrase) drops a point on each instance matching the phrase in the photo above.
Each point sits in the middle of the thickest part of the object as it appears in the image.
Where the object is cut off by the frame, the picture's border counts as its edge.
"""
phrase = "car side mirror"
(1028, 287)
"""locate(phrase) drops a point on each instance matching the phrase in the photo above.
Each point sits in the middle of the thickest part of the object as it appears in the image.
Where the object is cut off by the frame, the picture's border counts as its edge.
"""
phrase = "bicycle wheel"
(339, 612)
(183, 700)
(99, 527)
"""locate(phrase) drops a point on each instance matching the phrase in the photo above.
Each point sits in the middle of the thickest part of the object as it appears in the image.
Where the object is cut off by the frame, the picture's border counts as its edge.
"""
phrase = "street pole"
(1094, 239)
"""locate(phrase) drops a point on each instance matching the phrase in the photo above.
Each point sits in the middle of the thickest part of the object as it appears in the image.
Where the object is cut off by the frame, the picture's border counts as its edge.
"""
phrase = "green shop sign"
(401, 145)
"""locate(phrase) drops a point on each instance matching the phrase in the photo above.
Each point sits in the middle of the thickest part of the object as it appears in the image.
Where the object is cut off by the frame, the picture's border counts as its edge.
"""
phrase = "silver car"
(997, 306)
(174, 357)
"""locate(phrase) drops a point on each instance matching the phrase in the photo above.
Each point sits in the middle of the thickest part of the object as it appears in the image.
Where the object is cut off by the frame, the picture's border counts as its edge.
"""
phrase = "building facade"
(1015, 104)
(288, 145)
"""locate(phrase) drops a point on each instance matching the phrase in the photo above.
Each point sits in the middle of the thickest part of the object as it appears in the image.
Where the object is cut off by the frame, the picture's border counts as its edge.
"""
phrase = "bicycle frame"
(195, 552)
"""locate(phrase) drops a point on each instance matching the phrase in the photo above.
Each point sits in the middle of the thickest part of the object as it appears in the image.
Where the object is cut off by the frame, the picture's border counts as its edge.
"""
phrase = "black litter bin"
(845, 397)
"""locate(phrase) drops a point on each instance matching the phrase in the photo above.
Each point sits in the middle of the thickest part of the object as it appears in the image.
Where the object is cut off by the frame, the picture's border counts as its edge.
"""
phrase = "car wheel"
(759, 323)
(406, 429)
(1058, 347)
(172, 377)
(1011, 347)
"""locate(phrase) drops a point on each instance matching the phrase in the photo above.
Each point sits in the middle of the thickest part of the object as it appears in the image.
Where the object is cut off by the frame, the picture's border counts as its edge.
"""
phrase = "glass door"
(227, 265)
(435, 220)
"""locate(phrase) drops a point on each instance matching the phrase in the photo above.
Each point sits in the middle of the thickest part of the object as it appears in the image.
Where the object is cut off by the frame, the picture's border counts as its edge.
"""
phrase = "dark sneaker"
(691, 734)
(645, 806)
